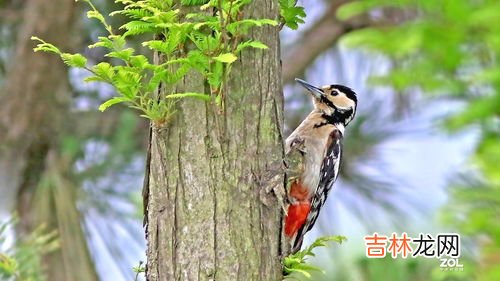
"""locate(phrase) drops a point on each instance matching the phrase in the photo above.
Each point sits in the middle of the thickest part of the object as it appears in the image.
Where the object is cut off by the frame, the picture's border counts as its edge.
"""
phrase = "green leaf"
(127, 81)
(139, 268)
(257, 45)
(112, 101)
(103, 71)
(291, 15)
(96, 15)
(118, 41)
(44, 46)
(8, 265)
(267, 22)
(354, 8)
(137, 78)
(139, 61)
(74, 60)
(189, 95)
(159, 75)
(139, 27)
(218, 101)
(214, 78)
(349, 10)
(102, 41)
(243, 26)
(165, 47)
(226, 58)
(303, 272)
(297, 262)
(194, 2)
(250, 44)
(176, 76)
(133, 13)
(124, 54)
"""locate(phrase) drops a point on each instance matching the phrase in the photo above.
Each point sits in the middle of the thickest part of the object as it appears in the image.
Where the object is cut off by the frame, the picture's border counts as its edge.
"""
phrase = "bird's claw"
(280, 193)
(272, 181)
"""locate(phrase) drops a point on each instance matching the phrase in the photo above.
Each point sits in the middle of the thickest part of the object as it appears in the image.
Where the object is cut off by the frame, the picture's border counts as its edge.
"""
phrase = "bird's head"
(337, 102)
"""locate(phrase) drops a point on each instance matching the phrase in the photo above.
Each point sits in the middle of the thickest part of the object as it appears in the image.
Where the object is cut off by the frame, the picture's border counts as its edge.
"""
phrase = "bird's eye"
(334, 92)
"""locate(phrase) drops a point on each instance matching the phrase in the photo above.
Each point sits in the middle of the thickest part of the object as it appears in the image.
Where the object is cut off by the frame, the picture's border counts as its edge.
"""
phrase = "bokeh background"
(421, 156)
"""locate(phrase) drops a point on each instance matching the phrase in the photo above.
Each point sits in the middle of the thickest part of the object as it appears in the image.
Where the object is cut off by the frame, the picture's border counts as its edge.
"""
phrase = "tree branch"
(321, 36)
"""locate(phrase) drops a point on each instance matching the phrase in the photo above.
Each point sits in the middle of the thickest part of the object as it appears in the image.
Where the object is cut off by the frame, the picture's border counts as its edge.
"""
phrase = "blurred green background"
(422, 155)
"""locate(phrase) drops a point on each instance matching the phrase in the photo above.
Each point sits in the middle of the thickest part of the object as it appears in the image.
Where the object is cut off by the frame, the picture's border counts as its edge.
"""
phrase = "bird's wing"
(328, 175)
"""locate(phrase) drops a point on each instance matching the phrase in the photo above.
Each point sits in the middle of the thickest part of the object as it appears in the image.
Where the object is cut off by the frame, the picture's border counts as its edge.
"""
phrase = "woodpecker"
(312, 156)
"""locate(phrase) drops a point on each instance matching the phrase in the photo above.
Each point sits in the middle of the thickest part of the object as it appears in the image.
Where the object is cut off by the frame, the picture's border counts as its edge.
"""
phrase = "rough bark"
(206, 216)
(33, 107)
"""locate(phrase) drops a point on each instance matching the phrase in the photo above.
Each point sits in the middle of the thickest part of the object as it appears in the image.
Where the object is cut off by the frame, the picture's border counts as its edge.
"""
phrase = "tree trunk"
(33, 170)
(206, 216)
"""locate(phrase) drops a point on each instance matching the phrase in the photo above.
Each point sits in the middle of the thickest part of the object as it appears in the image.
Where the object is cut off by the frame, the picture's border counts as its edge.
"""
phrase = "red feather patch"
(297, 215)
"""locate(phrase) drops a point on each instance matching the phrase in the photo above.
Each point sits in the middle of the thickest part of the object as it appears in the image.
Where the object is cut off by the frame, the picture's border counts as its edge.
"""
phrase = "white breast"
(315, 140)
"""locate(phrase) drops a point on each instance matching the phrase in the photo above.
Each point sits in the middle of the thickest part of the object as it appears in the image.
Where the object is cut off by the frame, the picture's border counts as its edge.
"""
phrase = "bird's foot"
(280, 194)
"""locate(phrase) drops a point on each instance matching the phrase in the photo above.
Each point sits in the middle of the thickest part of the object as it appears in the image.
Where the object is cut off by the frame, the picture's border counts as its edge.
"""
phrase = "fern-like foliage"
(217, 31)
(23, 260)
(194, 2)
(297, 263)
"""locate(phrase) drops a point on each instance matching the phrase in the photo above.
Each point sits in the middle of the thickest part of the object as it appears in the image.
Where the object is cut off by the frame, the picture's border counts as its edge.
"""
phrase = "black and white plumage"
(320, 137)
(328, 175)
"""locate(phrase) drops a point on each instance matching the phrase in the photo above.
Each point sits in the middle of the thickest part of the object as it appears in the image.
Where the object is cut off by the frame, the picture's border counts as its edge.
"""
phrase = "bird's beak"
(315, 91)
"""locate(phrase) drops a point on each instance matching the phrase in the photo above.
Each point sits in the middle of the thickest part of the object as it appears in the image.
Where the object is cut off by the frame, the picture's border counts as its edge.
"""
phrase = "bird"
(313, 152)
